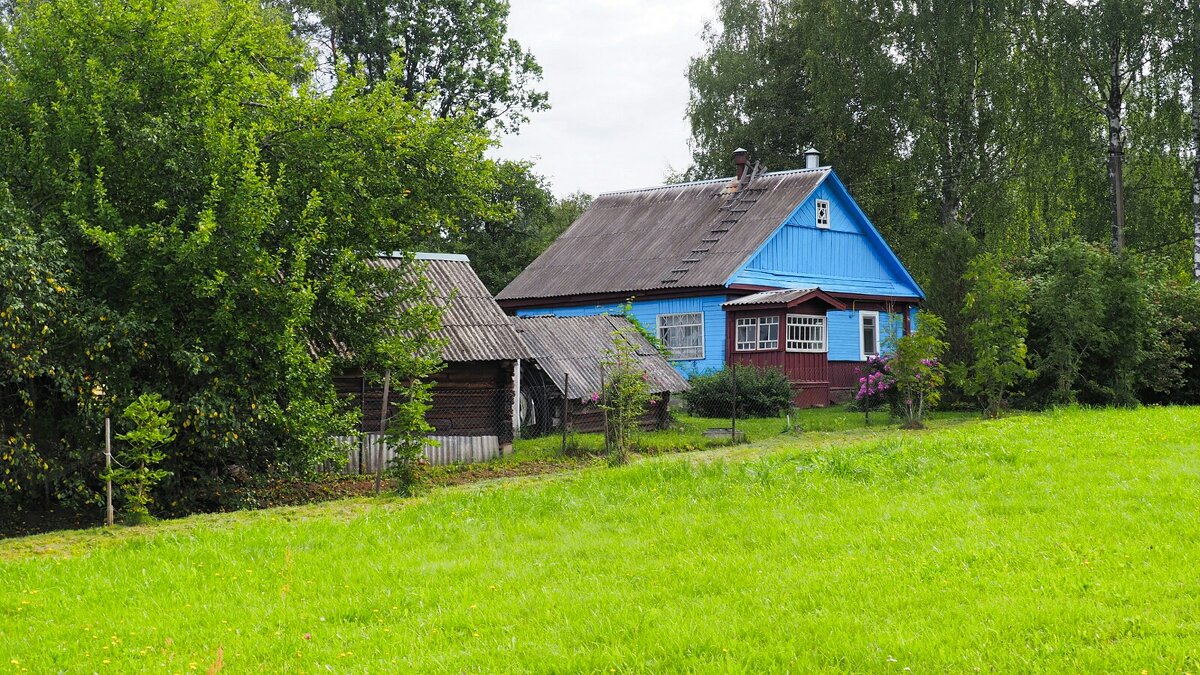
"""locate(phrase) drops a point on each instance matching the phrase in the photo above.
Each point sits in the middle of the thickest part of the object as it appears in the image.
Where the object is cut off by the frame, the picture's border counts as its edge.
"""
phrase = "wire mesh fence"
(472, 423)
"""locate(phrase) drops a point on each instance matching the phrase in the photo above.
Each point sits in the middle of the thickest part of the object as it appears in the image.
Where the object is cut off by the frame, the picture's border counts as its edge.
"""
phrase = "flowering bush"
(875, 382)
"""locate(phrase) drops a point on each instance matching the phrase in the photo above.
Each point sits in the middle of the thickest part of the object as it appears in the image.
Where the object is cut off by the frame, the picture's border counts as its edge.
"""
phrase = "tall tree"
(1192, 50)
(1107, 45)
(454, 56)
(201, 220)
(525, 220)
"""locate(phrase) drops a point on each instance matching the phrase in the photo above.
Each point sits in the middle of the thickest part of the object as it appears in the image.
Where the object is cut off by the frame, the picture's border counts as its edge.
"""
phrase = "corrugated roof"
(771, 297)
(632, 240)
(473, 325)
(577, 345)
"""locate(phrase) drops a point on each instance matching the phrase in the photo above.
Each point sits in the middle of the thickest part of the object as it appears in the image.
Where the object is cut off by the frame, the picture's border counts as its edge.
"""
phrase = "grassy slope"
(1064, 542)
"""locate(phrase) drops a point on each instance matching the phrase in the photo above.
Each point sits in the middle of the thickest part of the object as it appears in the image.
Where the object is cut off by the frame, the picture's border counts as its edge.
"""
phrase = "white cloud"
(616, 74)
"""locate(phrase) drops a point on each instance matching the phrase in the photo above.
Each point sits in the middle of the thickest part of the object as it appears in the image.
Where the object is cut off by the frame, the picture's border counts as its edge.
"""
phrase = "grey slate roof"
(577, 345)
(473, 325)
(631, 240)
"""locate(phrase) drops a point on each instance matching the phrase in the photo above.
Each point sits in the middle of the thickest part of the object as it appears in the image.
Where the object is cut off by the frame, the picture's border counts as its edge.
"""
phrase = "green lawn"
(1064, 542)
(687, 432)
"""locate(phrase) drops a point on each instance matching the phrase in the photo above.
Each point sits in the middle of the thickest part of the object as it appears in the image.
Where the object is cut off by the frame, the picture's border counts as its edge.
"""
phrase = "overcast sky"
(616, 74)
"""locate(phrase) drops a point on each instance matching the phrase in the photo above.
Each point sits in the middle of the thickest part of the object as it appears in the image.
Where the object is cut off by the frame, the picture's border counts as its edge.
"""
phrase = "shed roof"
(784, 298)
(577, 345)
(632, 240)
(473, 325)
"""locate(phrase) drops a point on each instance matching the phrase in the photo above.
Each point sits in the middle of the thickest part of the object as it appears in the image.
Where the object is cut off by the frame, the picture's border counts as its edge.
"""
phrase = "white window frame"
(751, 344)
(817, 321)
(822, 208)
(768, 345)
(862, 348)
(755, 340)
(698, 322)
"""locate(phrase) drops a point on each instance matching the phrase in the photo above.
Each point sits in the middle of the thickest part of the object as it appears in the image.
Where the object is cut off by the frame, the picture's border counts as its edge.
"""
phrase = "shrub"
(625, 398)
(875, 383)
(761, 392)
(917, 370)
(407, 436)
(995, 312)
(1104, 328)
(136, 471)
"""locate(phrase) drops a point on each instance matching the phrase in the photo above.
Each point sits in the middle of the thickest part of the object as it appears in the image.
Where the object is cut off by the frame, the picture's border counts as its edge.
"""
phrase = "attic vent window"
(823, 214)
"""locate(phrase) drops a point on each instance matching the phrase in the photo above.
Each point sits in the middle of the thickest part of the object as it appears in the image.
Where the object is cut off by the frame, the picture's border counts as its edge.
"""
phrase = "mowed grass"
(1063, 542)
(687, 432)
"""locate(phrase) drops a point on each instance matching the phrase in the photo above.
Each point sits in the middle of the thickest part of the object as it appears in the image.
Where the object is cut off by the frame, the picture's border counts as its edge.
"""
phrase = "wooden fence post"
(733, 416)
(565, 406)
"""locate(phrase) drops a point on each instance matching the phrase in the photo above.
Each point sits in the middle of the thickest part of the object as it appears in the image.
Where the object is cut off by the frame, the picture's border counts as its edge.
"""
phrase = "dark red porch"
(788, 330)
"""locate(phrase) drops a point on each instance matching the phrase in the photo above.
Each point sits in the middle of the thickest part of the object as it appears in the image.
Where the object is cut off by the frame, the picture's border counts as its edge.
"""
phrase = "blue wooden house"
(775, 269)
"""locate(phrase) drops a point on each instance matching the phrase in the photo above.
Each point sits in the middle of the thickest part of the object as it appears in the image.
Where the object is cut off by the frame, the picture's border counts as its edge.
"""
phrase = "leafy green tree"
(996, 315)
(454, 56)
(1066, 308)
(212, 212)
(136, 471)
(524, 220)
(917, 371)
(626, 396)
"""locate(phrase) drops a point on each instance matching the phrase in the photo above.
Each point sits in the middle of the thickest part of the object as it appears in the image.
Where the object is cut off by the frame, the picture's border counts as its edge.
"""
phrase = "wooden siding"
(843, 380)
(588, 418)
(849, 257)
(808, 372)
(469, 399)
(845, 334)
(647, 311)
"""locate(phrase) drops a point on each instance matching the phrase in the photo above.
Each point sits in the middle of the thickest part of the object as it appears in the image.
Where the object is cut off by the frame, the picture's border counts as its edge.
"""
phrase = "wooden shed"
(473, 395)
(568, 355)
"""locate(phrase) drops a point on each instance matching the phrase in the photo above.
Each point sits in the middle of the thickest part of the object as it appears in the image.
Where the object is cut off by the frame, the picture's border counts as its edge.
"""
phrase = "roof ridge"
(709, 181)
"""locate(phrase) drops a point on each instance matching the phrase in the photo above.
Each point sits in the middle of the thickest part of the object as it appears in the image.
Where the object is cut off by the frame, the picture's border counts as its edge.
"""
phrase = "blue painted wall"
(647, 311)
(845, 334)
(848, 257)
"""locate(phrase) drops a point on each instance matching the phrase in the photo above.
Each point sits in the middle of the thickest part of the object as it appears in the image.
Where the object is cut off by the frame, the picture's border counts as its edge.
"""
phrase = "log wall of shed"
(473, 398)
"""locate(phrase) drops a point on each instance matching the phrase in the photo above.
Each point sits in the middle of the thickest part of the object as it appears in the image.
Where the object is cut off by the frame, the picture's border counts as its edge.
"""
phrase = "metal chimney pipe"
(812, 158)
(739, 160)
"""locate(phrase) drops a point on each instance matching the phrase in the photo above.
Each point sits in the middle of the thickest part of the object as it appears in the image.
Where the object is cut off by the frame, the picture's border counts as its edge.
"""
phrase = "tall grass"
(1063, 542)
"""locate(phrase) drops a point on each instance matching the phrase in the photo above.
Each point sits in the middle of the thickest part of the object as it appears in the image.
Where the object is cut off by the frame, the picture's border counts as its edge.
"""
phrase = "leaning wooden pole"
(381, 448)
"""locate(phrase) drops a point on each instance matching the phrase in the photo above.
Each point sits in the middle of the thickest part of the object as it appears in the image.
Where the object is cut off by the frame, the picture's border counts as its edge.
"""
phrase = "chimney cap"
(812, 158)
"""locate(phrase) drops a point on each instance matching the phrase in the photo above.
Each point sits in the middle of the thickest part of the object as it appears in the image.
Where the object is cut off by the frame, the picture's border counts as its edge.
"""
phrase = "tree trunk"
(1116, 150)
(1195, 35)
